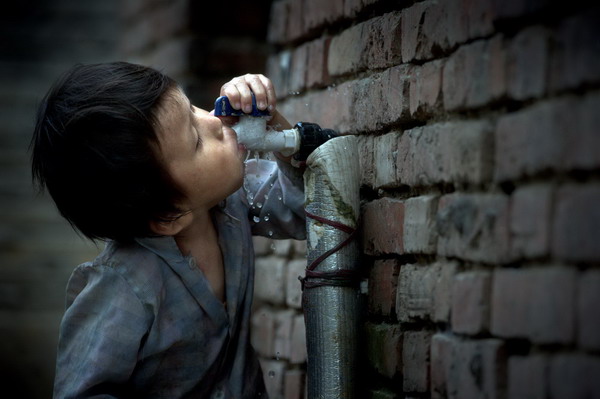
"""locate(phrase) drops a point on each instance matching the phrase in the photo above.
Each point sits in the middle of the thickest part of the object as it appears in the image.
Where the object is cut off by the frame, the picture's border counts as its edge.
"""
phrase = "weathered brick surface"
(527, 63)
(384, 348)
(293, 291)
(574, 376)
(588, 311)
(415, 361)
(371, 44)
(471, 302)
(575, 57)
(473, 227)
(416, 284)
(477, 126)
(382, 227)
(270, 280)
(425, 95)
(537, 303)
(383, 281)
(467, 369)
(577, 223)
(527, 377)
(445, 152)
(530, 216)
(419, 224)
(474, 75)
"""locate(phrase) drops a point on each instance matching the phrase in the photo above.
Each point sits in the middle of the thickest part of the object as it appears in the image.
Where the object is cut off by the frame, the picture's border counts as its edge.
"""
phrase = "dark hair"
(94, 149)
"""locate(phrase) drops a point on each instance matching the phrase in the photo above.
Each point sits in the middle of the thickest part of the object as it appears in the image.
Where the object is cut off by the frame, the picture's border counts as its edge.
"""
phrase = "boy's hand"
(238, 91)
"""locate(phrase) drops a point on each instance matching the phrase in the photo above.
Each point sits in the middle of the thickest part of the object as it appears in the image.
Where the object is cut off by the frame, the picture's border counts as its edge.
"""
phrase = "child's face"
(199, 152)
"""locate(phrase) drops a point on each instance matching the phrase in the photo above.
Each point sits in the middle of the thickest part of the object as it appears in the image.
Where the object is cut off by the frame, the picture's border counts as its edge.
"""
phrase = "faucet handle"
(223, 108)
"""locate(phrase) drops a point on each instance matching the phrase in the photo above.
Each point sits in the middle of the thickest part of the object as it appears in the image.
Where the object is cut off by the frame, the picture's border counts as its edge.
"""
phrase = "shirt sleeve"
(100, 335)
(275, 196)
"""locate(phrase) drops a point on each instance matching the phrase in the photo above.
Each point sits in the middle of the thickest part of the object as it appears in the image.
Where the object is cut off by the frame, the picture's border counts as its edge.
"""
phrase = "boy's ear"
(169, 226)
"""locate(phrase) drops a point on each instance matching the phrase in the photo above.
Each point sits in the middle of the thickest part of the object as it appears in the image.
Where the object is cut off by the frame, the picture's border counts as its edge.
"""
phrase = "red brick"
(317, 74)
(384, 349)
(293, 291)
(415, 361)
(527, 63)
(527, 377)
(523, 308)
(426, 89)
(383, 280)
(318, 13)
(448, 152)
(473, 75)
(588, 311)
(415, 290)
(574, 376)
(474, 227)
(382, 227)
(419, 224)
(471, 302)
(278, 21)
(530, 220)
(576, 59)
(293, 381)
(576, 224)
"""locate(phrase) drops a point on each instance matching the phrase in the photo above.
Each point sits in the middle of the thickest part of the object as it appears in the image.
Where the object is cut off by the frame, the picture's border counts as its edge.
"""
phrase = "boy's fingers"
(270, 91)
(231, 91)
(245, 95)
(257, 86)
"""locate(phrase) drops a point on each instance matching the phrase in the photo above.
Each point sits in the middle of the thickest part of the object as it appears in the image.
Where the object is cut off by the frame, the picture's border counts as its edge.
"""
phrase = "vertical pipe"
(331, 297)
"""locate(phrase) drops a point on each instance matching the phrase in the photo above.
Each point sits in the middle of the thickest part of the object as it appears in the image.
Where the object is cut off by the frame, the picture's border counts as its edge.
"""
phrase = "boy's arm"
(100, 336)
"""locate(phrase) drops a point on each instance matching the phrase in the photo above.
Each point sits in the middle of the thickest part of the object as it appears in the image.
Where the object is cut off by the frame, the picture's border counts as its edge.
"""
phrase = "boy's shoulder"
(135, 264)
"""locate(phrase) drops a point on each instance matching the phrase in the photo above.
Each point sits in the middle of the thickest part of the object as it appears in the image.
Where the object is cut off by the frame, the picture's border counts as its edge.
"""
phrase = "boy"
(164, 310)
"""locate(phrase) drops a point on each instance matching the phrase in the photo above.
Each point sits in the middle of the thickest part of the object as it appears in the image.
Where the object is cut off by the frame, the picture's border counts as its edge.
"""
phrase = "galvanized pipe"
(331, 307)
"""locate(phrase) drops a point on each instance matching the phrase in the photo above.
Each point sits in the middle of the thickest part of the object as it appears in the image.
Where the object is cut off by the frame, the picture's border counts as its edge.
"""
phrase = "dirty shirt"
(142, 320)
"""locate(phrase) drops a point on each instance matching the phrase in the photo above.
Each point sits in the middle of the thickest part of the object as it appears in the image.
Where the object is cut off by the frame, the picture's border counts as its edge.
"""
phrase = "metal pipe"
(331, 295)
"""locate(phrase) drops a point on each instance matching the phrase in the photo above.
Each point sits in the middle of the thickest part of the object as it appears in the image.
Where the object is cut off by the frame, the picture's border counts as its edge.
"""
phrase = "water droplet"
(271, 235)
(259, 205)
(266, 218)
(279, 197)
(266, 197)
(277, 356)
(271, 373)
(256, 219)
(272, 246)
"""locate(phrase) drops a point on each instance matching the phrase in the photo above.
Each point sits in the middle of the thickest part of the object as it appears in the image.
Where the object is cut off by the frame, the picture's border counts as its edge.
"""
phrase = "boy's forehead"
(171, 109)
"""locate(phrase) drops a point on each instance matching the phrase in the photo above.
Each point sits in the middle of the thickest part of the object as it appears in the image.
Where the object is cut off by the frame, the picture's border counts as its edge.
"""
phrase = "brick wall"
(480, 155)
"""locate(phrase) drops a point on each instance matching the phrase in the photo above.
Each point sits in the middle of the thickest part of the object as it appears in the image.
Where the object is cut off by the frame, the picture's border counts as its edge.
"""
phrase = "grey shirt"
(142, 320)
